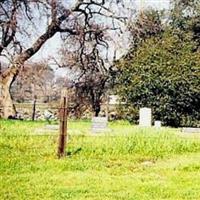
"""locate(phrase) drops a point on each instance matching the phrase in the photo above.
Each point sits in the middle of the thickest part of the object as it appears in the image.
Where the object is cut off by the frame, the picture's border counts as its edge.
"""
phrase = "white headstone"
(157, 124)
(145, 117)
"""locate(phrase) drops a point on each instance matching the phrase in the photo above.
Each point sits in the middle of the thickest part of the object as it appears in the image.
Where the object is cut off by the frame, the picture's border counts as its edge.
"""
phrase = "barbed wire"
(1, 108)
(42, 105)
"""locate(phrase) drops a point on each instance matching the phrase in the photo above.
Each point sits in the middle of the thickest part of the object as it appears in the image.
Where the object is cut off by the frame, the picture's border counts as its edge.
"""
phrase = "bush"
(163, 73)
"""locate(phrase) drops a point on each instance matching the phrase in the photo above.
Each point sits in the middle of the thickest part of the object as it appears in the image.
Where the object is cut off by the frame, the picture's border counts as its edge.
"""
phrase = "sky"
(52, 46)
(159, 4)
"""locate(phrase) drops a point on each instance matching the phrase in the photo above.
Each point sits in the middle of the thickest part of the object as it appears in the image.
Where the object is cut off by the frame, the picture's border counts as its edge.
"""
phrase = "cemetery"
(99, 100)
(139, 162)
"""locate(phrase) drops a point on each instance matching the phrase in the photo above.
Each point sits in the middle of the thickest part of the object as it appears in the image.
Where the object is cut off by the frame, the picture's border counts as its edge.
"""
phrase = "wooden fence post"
(34, 107)
(63, 124)
(107, 106)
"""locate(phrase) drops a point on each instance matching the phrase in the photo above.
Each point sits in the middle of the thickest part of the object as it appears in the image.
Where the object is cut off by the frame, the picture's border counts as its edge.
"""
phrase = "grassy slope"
(143, 165)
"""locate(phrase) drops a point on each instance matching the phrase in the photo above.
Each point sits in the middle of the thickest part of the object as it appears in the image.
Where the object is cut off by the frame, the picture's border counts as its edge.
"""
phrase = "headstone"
(52, 127)
(145, 119)
(157, 124)
(99, 124)
(48, 115)
(190, 130)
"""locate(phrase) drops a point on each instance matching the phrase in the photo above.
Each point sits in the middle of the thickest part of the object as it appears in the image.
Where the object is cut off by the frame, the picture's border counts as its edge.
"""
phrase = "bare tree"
(35, 79)
(89, 62)
(93, 89)
(70, 19)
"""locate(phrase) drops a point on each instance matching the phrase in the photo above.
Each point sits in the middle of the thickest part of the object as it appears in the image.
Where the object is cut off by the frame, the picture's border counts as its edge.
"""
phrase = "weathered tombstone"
(190, 130)
(99, 124)
(145, 119)
(52, 127)
(157, 124)
(48, 115)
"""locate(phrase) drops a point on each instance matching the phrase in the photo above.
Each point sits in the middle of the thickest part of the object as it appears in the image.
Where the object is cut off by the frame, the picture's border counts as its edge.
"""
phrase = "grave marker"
(145, 119)
(190, 130)
(157, 124)
(99, 124)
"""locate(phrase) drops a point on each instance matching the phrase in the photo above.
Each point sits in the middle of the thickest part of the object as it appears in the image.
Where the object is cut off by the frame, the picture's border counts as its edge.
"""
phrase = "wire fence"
(25, 110)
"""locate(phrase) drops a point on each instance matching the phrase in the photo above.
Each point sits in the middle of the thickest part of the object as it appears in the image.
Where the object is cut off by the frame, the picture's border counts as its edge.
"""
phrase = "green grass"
(127, 162)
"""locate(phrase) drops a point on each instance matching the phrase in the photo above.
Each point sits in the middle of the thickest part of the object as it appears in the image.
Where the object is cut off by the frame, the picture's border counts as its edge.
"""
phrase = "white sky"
(159, 4)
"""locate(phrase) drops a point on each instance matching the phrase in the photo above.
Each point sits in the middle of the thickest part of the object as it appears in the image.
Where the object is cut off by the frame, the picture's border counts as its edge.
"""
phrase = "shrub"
(163, 73)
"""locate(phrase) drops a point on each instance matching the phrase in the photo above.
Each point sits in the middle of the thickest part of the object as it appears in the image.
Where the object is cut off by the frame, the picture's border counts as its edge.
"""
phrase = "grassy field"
(126, 163)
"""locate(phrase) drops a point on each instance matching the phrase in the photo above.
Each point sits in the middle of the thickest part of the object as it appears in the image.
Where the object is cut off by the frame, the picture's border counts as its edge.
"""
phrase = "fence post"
(63, 124)
(34, 107)
(107, 106)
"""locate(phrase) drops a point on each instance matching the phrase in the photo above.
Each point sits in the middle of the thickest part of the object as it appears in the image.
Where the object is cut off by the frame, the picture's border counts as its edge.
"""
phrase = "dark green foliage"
(185, 16)
(164, 74)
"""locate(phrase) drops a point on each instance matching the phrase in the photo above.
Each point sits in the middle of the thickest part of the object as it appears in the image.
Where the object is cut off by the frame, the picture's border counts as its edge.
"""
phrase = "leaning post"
(34, 107)
(63, 124)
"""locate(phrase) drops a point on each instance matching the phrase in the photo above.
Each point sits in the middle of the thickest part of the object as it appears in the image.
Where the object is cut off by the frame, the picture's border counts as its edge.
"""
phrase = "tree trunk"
(7, 109)
(97, 109)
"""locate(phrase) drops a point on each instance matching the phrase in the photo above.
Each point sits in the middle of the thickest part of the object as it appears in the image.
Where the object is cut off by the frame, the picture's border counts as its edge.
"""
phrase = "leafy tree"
(185, 16)
(164, 74)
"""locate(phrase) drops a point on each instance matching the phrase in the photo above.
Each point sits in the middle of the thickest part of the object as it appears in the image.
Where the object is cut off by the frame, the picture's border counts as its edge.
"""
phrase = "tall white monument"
(145, 117)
